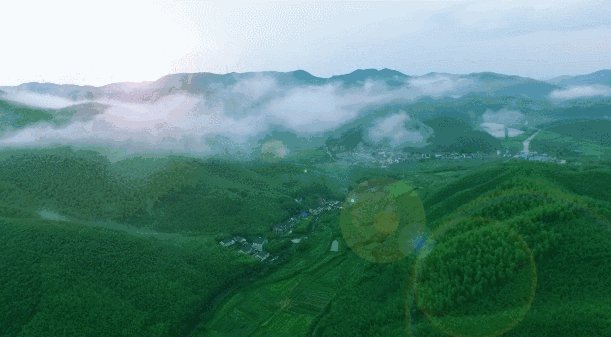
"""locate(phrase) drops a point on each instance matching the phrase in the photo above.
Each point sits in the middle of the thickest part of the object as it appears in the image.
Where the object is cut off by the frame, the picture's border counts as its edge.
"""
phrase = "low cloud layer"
(38, 100)
(274, 149)
(223, 117)
(504, 116)
(399, 129)
(441, 85)
(496, 123)
(498, 130)
(581, 92)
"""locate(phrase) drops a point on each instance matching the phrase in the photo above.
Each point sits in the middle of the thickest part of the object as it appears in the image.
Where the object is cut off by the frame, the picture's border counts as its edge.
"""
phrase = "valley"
(308, 286)
(305, 168)
(229, 236)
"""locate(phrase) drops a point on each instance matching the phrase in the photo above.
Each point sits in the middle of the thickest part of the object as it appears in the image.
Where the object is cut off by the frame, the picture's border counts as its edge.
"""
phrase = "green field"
(577, 141)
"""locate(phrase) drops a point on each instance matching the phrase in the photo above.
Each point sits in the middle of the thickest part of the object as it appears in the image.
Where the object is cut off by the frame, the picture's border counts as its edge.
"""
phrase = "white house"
(334, 246)
(227, 242)
(258, 243)
(262, 256)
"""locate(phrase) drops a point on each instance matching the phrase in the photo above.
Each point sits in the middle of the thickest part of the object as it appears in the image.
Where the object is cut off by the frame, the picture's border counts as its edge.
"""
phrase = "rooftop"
(260, 240)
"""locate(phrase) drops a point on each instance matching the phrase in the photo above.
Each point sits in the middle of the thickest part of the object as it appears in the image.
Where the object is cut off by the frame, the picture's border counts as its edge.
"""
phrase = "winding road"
(526, 143)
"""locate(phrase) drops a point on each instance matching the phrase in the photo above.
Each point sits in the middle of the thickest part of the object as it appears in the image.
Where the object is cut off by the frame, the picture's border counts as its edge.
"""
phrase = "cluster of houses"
(452, 155)
(325, 206)
(384, 158)
(531, 156)
(286, 228)
(542, 157)
(254, 248)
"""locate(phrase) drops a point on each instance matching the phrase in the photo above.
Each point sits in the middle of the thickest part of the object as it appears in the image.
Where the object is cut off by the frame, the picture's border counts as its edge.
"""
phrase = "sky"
(100, 42)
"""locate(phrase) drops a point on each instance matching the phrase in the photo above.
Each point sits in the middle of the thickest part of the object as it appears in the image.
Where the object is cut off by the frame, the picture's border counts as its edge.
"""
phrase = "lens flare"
(383, 220)
(476, 282)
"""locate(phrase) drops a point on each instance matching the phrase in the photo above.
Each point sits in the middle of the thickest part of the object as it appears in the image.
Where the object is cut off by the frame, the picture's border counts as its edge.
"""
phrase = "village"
(541, 157)
(256, 246)
(385, 158)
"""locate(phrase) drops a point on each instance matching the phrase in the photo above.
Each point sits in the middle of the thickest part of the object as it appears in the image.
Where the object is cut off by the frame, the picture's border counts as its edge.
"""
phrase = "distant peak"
(361, 75)
(491, 75)
(301, 72)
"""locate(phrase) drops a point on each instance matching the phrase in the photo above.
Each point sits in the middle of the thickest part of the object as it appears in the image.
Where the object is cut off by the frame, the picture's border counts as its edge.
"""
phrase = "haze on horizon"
(103, 42)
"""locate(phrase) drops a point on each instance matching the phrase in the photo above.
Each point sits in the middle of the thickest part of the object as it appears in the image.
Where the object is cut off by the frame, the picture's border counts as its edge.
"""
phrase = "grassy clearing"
(566, 146)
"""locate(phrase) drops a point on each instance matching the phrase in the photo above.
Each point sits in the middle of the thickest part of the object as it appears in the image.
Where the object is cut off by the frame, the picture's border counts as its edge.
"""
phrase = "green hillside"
(558, 217)
(494, 263)
(595, 131)
(168, 194)
(584, 138)
(456, 135)
(13, 115)
(16, 116)
(64, 279)
(129, 248)
(503, 242)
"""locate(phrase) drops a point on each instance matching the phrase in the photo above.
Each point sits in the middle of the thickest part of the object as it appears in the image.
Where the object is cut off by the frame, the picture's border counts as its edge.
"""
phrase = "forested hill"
(171, 194)
(514, 250)
(130, 248)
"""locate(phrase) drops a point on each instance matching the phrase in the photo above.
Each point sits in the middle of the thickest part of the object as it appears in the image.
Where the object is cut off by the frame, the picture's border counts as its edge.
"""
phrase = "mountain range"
(282, 113)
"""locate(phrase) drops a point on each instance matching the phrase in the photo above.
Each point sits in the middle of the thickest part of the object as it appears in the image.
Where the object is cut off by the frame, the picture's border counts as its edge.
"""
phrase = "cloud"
(580, 92)
(51, 215)
(38, 100)
(174, 123)
(227, 117)
(256, 87)
(274, 148)
(315, 109)
(398, 129)
(498, 130)
(440, 85)
(504, 116)
(495, 122)
(520, 16)
(171, 37)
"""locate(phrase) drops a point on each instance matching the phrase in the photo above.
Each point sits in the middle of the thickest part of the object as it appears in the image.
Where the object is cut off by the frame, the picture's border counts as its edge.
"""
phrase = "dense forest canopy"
(130, 248)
